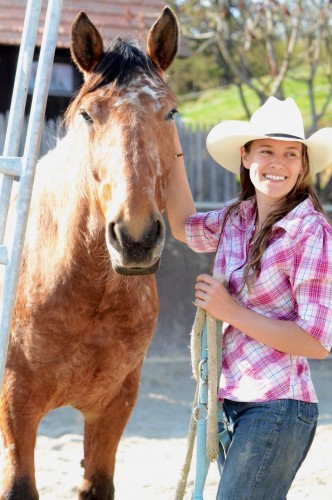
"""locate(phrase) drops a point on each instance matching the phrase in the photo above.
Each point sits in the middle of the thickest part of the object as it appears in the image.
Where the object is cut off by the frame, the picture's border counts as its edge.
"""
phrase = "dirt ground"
(152, 449)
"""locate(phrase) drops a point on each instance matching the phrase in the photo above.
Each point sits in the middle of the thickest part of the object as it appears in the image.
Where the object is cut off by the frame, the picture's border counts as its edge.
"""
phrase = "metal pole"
(29, 161)
(202, 461)
(17, 107)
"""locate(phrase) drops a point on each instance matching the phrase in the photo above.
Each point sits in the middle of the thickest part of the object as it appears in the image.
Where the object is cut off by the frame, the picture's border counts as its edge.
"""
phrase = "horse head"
(124, 113)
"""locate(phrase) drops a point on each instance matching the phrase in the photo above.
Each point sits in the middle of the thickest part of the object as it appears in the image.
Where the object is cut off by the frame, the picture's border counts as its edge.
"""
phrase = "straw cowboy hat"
(281, 120)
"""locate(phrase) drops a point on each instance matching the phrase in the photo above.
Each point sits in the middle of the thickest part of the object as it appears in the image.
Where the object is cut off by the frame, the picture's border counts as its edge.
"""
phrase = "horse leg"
(101, 439)
(19, 419)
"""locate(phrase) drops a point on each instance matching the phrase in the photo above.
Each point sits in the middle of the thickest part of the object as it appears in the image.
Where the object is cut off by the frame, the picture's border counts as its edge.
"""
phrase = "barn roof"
(112, 18)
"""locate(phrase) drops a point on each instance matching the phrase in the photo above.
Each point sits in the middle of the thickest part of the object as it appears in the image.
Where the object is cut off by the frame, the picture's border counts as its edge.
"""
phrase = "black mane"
(121, 63)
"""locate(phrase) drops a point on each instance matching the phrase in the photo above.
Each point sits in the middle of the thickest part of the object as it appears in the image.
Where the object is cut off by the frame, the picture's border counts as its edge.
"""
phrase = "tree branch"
(286, 60)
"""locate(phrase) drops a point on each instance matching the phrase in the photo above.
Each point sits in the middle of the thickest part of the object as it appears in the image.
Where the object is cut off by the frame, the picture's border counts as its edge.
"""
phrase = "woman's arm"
(284, 336)
(180, 203)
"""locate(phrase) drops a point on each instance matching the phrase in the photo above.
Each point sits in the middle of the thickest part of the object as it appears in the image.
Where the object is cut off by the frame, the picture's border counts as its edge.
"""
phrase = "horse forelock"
(121, 64)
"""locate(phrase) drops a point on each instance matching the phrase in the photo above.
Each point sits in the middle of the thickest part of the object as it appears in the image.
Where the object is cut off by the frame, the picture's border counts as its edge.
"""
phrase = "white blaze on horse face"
(143, 85)
(131, 167)
(155, 95)
(143, 98)
(128, 98)
(112, 183)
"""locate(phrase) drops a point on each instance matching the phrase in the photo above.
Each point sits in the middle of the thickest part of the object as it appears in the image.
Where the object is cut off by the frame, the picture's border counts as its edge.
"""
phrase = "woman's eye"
(86, 117)
(171, 114)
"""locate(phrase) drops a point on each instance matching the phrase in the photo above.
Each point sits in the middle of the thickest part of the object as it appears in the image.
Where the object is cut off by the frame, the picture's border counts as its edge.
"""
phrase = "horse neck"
(65, 217)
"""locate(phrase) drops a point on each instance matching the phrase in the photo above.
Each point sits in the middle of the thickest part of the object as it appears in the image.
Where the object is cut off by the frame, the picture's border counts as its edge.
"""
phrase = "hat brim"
(225, 140)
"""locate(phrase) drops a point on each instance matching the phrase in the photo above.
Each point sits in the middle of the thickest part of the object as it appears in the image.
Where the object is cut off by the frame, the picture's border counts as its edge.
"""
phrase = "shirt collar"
(246, 214)
(291, 223)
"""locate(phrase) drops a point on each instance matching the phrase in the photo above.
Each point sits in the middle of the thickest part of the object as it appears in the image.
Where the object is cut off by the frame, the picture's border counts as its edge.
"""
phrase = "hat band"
(286, 135)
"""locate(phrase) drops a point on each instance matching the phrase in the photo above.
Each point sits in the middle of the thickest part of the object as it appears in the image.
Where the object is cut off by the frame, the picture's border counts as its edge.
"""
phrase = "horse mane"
(62, 199)
(120, 65)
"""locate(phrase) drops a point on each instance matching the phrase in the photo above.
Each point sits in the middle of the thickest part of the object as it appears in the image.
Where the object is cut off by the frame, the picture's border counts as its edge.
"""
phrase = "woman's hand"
(284, 336)
(212, 296)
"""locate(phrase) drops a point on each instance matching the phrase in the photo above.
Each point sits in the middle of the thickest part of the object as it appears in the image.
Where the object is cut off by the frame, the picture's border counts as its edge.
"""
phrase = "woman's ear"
(244, 157)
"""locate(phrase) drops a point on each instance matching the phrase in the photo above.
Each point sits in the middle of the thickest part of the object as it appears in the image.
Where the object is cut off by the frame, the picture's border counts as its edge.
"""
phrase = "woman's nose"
(277, 161)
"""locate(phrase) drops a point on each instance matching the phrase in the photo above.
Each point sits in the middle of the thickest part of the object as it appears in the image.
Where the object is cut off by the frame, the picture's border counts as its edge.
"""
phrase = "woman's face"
(274, 167)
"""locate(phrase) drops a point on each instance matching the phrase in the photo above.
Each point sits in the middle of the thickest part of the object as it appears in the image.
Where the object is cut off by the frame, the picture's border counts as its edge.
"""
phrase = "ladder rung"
(11, 165)
(3, 254)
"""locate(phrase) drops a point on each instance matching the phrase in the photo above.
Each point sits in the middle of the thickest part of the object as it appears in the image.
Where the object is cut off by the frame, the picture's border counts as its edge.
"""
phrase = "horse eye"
(86, 117)
(171, 114)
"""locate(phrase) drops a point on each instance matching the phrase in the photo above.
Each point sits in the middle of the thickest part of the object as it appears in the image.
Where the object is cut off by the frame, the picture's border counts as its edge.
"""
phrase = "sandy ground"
(152, 449)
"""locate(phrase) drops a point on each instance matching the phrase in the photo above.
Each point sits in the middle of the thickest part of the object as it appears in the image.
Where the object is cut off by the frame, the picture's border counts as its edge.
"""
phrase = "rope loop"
(212, 439)
(198, 366)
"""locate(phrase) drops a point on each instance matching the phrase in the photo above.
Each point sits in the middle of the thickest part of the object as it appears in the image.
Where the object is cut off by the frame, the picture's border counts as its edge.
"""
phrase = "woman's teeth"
(270, 177)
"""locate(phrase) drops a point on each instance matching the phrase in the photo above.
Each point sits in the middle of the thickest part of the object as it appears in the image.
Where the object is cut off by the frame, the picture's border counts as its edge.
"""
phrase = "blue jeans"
(270, 440)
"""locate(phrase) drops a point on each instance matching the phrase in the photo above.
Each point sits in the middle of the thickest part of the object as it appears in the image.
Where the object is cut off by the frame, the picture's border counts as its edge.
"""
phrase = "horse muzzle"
(135, 271)
(133, 255)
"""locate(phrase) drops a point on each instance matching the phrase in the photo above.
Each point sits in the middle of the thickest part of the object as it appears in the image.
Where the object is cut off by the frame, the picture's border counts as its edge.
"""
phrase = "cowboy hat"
(281, 120)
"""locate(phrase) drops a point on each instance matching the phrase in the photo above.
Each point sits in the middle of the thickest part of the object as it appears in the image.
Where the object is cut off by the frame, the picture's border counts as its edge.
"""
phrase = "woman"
(274, 247)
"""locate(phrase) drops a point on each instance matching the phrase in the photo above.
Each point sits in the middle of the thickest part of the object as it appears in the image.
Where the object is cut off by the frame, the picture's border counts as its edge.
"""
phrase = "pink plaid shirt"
(295, 283)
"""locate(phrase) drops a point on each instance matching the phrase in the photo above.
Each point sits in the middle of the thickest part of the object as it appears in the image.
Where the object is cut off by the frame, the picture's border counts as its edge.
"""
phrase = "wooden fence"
(209, 182)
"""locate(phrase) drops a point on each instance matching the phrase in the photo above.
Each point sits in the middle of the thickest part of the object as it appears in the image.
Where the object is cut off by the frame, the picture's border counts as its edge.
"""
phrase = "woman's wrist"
(234, 311)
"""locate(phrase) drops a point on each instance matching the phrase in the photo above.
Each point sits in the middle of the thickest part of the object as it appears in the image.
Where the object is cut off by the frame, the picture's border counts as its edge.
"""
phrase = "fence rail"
(209, 182)
(52, 131)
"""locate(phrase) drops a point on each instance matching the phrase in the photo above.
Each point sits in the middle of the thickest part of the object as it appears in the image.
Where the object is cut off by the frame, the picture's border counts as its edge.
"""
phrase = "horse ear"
(162, 42)
(86, 44)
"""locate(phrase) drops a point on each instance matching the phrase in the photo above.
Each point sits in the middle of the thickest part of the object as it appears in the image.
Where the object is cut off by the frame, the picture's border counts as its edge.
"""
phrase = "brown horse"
(87, 303)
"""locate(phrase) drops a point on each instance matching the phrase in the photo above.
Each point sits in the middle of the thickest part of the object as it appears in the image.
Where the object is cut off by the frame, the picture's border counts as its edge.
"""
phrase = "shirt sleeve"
(203, 230)
(312, 285)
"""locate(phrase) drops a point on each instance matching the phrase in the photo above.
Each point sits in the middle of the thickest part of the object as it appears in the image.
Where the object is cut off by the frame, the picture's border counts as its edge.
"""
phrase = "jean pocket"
(308, 412)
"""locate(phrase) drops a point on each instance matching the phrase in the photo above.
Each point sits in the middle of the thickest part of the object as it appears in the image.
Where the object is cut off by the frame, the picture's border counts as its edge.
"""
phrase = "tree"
(263, 44)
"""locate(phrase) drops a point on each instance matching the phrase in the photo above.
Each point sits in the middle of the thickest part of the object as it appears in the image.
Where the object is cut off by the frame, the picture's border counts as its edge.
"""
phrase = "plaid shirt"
(294, 283)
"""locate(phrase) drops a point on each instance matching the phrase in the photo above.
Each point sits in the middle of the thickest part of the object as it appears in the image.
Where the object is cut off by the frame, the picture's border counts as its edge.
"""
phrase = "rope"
(212, 408)
(182, 483)
(212, 441)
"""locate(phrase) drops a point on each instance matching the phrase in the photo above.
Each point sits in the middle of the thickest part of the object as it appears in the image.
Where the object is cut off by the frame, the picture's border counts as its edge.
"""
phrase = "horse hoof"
(21, 489)
(100, 487)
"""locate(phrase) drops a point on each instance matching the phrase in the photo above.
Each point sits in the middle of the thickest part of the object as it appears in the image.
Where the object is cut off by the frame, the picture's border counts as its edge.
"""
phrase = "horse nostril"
(155, 234)
(111, 232)
(158, 230)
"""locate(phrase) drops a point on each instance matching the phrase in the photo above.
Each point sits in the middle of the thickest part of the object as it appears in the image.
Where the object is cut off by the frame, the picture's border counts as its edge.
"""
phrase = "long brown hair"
(303, 189)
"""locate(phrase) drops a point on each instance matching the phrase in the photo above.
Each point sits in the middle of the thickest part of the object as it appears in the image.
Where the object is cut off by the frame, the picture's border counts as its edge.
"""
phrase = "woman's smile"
(274, 178)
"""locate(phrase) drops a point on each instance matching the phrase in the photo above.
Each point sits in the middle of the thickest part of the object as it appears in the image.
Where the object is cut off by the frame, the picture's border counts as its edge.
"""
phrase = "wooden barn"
(112, 18)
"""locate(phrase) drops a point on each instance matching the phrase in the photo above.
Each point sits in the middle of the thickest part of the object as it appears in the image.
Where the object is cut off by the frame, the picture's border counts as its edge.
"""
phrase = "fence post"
(11, 256)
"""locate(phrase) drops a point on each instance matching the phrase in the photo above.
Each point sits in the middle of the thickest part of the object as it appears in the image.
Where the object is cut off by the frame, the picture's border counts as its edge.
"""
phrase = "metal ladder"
(12, 165)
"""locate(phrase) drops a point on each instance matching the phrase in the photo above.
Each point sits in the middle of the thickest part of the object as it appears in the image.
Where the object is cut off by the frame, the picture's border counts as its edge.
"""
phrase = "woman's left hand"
(282, 335)
(212, 296)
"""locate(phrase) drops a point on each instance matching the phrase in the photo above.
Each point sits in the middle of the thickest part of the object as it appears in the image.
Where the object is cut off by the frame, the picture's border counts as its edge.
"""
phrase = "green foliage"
(193, 74)
(214, 105)
(265, 48)
(223, 103)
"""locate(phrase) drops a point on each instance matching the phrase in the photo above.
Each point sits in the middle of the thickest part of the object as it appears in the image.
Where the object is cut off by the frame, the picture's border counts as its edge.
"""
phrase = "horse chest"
(70, 336)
